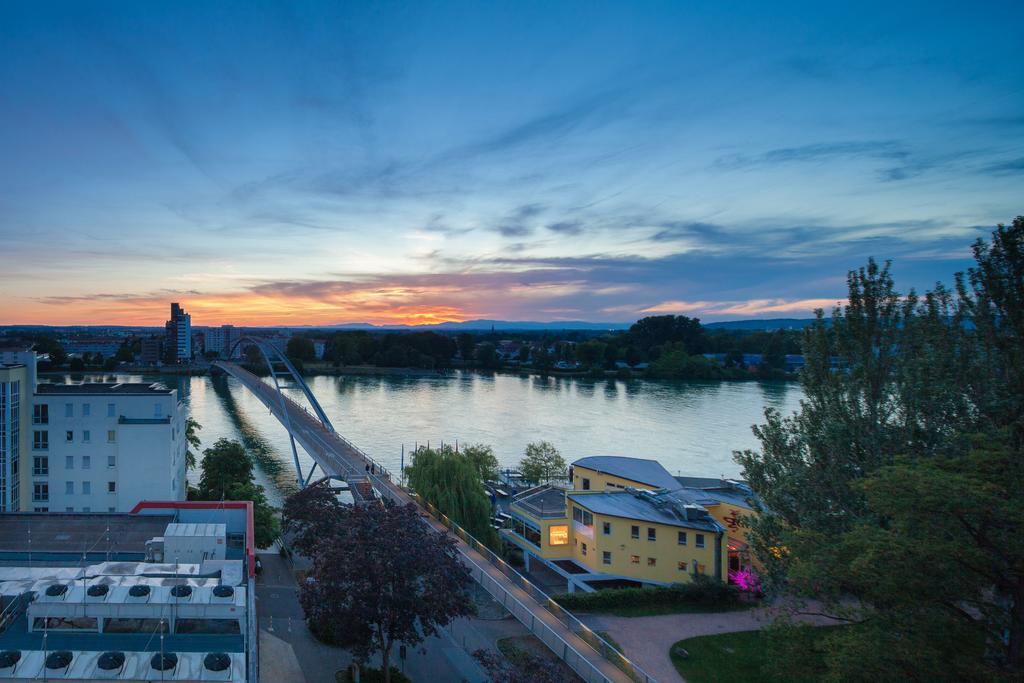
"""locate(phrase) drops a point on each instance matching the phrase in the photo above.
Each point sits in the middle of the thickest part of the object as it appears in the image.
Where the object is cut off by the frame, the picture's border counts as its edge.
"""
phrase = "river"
(690, 427)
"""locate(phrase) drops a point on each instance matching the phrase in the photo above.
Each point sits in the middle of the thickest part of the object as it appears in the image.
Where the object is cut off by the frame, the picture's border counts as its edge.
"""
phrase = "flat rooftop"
(69, 532)
(102, 389)
(548, 502)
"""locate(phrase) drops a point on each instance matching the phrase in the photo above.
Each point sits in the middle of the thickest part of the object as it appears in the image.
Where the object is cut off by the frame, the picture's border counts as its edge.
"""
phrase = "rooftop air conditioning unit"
(217, 666)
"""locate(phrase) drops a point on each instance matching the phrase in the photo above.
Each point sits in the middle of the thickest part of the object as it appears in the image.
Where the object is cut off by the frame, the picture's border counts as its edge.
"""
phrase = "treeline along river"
(690, 427)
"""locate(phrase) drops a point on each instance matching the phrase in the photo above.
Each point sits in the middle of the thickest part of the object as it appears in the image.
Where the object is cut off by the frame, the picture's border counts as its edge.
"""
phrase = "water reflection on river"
(690, 427)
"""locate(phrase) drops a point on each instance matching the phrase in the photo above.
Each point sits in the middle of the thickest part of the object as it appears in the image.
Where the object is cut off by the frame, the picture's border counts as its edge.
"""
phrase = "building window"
(634, 559)
(634, 531)
(41, 414)
(681, 565)
(86, 435)
(558, 535)
(41, 441)
(111, 410)
(157, 411)
(69, 410)
(86, 487)
(69, 488)
(606, 557)
(700, 541)
(111, 487)
(69, 462)
(41, 492)
(111, 436)
(682, 538)
(69, 436)
(69, 509)
(586, 484)
(582, 516)
(86, 409)
(652, 533)
(111, 461)
(606, 528)
(651, 561)
(40, 466)
(86, 462)
(583, 549)
(40, 509)
(111, 509)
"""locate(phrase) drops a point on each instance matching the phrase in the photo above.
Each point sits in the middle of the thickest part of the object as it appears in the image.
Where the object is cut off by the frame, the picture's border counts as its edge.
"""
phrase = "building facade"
(105, 447)
(15, 405)
(178, 336)
(627, 520)
(220, 340)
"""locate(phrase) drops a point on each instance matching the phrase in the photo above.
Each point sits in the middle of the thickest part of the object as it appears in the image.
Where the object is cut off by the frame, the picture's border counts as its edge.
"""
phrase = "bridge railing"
(571, 655)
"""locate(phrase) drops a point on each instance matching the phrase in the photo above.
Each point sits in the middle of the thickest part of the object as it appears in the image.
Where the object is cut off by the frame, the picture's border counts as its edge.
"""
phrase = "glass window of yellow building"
(558, 535)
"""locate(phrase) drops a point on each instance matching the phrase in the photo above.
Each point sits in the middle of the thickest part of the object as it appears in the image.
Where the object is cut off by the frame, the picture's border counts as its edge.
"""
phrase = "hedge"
(703, 590)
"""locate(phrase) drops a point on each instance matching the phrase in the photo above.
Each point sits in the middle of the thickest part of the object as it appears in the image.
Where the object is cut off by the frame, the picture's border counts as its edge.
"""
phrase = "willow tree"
(451, 481)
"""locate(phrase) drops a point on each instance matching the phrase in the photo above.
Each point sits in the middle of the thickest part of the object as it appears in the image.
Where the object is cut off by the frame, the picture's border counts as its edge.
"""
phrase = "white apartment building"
(105, 447)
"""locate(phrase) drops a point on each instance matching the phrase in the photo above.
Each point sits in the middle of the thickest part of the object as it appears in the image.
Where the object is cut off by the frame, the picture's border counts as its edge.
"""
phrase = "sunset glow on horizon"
(348, 163)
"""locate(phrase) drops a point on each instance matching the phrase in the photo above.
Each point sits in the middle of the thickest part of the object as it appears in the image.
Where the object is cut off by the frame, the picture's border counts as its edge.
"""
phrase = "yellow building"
(628, 521)
(16, 381)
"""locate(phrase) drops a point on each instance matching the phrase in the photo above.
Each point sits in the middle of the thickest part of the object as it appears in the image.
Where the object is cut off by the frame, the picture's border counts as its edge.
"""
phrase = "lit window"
(700, 541)
(558, 535)
(634, 559)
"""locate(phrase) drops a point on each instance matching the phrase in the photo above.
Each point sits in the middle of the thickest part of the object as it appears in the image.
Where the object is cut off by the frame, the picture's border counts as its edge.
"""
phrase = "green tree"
(192, 428)
(301, 349)
(227, 474)
(591, 353)
(451, 481)
(76, 365)
(487, 356)
(542, 361)
(542, 463)
(466, 344)
(878, 503)
(483, 458)
(357, 594)
(658, 330)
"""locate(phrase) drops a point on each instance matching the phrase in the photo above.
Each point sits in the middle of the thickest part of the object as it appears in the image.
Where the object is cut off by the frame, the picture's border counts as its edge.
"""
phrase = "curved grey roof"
(645, 471)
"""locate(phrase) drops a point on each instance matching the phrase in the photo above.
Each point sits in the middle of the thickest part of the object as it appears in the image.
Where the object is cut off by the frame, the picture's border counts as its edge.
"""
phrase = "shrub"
(702, 590)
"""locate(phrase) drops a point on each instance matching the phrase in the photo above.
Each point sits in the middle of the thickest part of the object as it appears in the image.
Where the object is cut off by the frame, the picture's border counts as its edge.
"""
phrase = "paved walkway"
(647, 640)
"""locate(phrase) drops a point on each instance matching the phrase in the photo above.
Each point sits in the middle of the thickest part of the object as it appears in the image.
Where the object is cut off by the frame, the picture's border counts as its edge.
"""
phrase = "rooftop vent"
(217, 661)
(56, 589)
(164, 662)
(58, 660)
(181, 591)
(97, 591)
(223, 591)
(111, 661)
(9, 658)
(138, 591)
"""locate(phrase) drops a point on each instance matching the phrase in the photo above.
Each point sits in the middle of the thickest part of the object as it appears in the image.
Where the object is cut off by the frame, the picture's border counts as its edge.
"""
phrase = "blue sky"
(327, 162)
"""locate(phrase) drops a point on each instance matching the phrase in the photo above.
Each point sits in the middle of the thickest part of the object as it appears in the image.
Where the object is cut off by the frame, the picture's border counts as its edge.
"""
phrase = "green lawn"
(729, 657)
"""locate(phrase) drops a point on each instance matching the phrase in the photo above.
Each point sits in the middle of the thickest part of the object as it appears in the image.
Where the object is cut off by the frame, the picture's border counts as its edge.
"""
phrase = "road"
(336, 456)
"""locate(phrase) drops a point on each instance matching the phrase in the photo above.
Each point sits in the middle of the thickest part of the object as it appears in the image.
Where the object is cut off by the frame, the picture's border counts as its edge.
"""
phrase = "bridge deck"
(337, 456)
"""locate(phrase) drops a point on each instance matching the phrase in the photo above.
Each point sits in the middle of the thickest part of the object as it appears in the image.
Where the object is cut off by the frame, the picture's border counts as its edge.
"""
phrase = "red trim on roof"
(250, 527)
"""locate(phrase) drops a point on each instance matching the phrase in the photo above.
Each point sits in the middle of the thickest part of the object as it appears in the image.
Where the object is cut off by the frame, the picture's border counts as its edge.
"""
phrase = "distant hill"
(508, 325)
(765, 324)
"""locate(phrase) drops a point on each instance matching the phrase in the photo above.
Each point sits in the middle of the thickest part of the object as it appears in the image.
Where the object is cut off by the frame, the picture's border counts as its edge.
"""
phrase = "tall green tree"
(384, 577)
(227, 474)
(483, 458)
(893, 495)
(451, 481)
(192, 428)
(301, 349)
(542, 462)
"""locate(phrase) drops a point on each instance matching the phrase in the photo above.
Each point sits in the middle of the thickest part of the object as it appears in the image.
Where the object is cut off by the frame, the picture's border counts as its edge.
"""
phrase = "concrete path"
(647, 640)
(278, 662)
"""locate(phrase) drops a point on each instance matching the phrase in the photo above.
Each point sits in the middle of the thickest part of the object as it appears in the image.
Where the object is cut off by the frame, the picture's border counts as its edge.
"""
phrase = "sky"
(333, 162)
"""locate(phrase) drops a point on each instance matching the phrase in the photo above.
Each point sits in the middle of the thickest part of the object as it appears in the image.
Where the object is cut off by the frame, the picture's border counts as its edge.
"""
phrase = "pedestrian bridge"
(590, 656)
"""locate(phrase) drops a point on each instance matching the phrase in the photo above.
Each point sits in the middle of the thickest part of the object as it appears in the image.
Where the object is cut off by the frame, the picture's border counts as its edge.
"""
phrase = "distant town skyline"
(395, 163)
